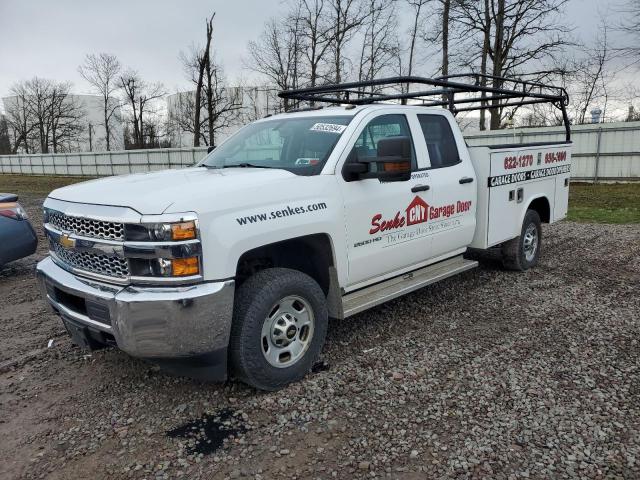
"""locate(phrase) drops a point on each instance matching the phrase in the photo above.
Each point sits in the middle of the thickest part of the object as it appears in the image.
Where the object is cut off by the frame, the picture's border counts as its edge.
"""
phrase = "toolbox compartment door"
(517, 177)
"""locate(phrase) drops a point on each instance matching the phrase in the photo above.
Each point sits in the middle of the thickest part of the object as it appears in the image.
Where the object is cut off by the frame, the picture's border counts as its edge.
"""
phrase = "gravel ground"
(490, 374)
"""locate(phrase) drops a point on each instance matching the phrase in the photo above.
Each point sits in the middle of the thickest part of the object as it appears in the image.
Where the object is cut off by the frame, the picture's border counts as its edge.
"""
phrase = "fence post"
(111, 161)
(597, 168)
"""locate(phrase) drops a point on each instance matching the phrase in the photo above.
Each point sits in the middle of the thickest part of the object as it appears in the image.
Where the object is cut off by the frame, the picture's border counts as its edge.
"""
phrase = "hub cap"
(530, 242)
(287, 331)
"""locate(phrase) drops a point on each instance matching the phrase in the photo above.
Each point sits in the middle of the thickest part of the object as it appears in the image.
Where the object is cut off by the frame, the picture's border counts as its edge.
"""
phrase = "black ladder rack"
(443, 93)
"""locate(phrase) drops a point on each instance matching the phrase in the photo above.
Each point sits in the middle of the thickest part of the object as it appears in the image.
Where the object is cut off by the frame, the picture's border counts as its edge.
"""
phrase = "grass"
(604, 203)
(588, 203)
(35, 185)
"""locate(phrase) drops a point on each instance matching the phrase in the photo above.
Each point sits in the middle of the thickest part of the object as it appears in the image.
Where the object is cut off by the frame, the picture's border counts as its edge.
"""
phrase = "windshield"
(300, 145)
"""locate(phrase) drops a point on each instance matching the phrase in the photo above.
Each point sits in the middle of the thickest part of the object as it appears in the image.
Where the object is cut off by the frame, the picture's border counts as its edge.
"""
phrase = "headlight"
(166, 232)
(161, 232)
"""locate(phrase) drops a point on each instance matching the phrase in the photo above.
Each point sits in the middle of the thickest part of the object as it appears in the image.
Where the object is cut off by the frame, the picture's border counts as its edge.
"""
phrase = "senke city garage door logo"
(417, 212)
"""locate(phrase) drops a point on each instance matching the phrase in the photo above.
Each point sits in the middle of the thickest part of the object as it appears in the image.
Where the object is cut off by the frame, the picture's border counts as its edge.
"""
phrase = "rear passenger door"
(452, 214)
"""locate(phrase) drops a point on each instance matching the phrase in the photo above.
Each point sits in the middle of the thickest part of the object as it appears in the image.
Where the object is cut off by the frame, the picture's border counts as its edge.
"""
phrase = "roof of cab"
(347, 110)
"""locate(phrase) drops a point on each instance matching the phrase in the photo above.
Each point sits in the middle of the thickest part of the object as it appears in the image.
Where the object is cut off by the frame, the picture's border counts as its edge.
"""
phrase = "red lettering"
(382, 226)
(463, 206)
(374, 224)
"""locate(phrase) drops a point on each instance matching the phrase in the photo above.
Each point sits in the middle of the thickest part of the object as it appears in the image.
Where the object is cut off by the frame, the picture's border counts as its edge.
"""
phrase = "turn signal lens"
(396, 166)
(183, 231)
(185, 266)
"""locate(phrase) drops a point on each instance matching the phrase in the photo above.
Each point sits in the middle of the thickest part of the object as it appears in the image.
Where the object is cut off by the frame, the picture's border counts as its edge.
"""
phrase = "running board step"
(368, 297)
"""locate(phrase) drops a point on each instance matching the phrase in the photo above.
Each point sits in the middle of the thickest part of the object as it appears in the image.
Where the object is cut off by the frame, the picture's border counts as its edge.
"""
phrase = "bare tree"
(379, 43)
(418, 8)
(198, 64)
(224, 104)
(66, 118)
(346, 17)
(39, 98)
(277, 54)
(214, 105)
(516, 35)
(43, 116)
(19, 118)
(589, 75)
(316, 36)
(102, 72)
(140, 97)
(631, 26)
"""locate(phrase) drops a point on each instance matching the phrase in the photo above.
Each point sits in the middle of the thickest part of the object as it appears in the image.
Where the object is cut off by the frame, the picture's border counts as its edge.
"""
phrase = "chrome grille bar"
(86, 227)
(102, 264)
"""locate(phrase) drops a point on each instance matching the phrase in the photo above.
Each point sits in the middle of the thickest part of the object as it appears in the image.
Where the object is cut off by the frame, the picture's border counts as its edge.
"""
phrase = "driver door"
(385, 221)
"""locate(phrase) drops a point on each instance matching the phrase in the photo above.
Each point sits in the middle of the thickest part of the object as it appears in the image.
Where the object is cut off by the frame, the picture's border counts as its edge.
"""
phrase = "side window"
(382, 127)
(441, 143)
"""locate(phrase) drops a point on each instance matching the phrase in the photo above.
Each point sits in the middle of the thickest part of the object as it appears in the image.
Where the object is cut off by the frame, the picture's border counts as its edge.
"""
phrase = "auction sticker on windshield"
(328, 127)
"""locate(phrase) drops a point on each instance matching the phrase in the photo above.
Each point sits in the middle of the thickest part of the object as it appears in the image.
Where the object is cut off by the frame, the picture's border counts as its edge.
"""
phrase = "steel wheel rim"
(530, 243)
(287, 331)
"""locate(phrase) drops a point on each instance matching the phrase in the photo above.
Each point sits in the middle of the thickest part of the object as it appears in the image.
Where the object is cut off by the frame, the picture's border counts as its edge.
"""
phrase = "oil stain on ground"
(208, 432)
(320, 366)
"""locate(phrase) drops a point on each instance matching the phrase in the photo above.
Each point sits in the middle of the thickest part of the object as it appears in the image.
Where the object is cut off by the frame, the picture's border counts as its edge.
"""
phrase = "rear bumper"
(190, 323)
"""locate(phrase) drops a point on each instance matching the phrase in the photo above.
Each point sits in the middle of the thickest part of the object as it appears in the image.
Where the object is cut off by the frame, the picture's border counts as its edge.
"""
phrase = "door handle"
(466, 180)
(420, 188)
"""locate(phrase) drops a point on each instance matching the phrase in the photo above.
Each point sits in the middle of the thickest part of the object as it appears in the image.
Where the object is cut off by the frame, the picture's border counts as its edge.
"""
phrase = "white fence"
(609, 151)
(604, 151)
(98, 164)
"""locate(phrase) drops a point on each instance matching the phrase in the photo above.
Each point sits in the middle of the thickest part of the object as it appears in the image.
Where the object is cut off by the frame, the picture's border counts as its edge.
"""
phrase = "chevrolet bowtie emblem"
(66, 241)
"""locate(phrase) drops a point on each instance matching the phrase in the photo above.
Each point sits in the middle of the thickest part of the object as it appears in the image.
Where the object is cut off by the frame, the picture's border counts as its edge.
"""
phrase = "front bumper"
(161, 323)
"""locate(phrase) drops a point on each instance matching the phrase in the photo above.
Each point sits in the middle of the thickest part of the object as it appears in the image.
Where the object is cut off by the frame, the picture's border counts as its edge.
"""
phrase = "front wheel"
(279, 326)
(523, 252)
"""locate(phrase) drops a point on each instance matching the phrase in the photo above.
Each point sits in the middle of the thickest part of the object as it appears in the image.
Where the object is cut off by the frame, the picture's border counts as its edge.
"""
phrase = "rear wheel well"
(541, 205)
(311, 254)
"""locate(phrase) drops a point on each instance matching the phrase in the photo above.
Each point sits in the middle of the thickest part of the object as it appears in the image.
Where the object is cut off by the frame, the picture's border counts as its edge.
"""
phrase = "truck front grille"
(91, 262)
(86, 227)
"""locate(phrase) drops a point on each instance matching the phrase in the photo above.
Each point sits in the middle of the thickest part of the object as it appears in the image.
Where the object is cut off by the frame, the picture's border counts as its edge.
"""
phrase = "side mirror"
(392, 162)
(211, 149)
(394, 159)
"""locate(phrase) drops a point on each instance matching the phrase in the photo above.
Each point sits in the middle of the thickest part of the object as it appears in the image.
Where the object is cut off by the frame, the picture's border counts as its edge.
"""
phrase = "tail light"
(12, 210)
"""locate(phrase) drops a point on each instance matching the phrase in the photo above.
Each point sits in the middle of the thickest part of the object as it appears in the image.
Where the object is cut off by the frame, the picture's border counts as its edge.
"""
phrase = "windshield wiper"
(244, 165)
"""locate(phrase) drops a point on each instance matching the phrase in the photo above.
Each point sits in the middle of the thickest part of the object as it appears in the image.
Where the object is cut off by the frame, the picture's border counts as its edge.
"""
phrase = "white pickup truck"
(234, 266)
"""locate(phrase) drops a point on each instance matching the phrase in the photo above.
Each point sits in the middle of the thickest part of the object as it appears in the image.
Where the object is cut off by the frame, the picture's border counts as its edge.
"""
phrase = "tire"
(523, 252)
(271, 308)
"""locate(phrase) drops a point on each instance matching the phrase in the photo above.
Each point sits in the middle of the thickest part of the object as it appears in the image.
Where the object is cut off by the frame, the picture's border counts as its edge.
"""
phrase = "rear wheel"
(523, 252)
(279, 326)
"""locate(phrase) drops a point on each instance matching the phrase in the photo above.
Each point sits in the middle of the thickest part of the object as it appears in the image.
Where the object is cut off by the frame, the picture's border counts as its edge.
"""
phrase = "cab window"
(381, 127)
(441, 144)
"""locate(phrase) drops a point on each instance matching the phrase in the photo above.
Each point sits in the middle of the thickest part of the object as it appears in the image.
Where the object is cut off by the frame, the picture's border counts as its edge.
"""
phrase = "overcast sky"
(49, 38)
